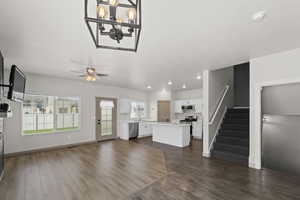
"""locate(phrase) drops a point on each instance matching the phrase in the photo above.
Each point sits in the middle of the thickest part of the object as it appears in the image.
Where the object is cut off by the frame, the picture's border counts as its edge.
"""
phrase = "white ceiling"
(179, 39)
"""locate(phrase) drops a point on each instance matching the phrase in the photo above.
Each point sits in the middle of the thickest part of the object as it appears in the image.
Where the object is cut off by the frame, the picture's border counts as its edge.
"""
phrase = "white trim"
(241, 107)
(217, 129)
(197, 137)
(2, 175)
(253, 165)
(205, 135)
(206, 154)
(54, 131)
(256, 132)
(143, 136)
(220, 104)
(278, 82)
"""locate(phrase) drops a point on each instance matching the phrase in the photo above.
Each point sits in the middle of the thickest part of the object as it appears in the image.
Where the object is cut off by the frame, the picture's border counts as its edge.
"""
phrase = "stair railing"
(220, 102)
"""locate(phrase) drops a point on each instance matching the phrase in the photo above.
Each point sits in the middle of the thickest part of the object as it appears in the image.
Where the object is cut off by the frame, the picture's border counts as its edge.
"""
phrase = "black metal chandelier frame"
(134, 27)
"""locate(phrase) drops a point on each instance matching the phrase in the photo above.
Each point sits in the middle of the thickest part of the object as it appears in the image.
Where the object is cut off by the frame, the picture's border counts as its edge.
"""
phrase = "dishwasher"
(133, 130)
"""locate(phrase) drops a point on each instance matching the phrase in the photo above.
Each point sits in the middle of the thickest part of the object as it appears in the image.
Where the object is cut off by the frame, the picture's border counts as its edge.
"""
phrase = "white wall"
(280, 68)
(43, 85)
(214, 83)
(187, 94)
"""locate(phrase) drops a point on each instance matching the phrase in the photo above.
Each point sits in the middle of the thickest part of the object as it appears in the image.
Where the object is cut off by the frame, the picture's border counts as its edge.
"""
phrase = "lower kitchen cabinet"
(197, 129)
(145, 129)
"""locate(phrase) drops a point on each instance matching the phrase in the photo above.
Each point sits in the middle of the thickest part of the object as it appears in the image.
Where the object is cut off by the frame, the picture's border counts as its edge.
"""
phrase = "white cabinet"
(197, 129)
(145, 129)
(124, 129)
(198, 105)
(196, 102)
(177, 106)
(125, 106)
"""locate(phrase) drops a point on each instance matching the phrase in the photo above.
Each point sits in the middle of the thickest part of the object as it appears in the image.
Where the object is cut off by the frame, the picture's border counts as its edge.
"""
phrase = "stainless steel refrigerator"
(281, 128)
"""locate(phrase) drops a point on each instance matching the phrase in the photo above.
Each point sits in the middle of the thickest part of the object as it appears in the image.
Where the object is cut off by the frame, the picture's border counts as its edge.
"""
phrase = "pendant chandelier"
(114, 24)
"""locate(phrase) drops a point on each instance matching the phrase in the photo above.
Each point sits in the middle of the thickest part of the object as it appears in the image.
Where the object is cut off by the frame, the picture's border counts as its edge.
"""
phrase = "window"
(106, 117)
(46, 114)
(137, 110)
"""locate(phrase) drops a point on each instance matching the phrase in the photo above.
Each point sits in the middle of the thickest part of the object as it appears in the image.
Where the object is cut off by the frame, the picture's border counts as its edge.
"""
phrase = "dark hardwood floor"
(139, 170)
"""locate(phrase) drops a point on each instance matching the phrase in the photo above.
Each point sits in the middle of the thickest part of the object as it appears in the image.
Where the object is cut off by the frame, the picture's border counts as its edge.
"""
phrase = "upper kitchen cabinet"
(125, 106)
(198, 105)
(194, 102)
(177, 106)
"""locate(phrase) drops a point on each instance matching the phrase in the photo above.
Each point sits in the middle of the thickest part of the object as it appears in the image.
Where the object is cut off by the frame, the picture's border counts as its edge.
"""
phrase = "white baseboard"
(206, 154)
(197, 137)
(49, 148)
(254, 165)
(143, 136)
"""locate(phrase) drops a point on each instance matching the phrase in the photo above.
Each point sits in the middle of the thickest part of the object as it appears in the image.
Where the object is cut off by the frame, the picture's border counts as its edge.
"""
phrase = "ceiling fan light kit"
(115, 20)
(90, 74)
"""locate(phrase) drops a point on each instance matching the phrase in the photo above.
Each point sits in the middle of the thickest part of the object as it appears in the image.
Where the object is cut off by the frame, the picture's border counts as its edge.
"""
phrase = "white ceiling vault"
(179, 39)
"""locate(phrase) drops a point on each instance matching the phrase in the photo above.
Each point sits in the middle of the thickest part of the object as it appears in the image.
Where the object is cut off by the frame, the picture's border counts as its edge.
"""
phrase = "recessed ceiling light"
(149, 87)
(170, 83)
(184, 86)
(199, 77)
(259, 16)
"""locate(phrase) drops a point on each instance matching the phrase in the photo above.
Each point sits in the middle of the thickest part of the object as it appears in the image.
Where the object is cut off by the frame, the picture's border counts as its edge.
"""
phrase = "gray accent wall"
(241, 85)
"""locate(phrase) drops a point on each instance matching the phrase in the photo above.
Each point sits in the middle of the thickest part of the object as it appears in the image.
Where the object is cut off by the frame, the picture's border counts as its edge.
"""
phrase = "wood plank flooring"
(109, 170)
(140, 170)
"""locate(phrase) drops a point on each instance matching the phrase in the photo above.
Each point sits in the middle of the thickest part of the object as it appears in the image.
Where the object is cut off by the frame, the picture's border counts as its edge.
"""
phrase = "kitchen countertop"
(171, 124)
(182, 124)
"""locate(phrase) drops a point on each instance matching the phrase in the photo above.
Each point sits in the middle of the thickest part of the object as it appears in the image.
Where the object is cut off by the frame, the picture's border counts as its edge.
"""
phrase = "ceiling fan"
(90, 74)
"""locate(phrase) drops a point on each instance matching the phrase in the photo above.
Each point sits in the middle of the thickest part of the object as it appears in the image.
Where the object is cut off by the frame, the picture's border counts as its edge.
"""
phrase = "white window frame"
(54, 117)
(138, 102)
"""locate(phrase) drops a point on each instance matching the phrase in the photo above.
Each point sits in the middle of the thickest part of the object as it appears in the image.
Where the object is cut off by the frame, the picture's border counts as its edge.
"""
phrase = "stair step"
(232, 149)
(233, 141)
(235, 127)
(237, 132)
(237, 115)
(234, 134)
(233, 110)
(236, 121)
(243, 160)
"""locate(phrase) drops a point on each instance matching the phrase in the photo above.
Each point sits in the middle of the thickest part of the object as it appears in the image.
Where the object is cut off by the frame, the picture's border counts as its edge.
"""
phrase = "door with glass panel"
(106, 118)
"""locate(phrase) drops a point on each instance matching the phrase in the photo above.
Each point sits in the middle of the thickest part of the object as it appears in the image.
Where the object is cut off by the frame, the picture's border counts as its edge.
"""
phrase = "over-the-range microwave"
(187, 108)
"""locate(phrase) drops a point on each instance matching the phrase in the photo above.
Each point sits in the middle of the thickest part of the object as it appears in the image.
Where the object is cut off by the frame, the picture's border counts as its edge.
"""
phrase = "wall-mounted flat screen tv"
(17, 81)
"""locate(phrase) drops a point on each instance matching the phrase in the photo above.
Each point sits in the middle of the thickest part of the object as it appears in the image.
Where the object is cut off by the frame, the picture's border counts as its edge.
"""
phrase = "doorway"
(163, 111)
(106, 118)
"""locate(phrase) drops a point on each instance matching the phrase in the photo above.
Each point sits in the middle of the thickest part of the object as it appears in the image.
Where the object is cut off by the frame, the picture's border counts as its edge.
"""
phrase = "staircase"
(232, 142)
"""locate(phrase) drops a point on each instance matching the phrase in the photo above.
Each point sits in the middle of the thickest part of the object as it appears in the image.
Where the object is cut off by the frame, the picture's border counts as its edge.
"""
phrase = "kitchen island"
(174, 134)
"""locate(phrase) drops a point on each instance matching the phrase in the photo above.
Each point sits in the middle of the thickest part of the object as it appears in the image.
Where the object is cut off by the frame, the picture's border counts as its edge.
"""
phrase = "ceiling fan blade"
(101, 75)
(83, 75)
